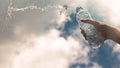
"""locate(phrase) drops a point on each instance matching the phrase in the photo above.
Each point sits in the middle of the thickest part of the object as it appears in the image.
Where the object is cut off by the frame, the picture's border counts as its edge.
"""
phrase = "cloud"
(48, 50)
(95, 65)
(116, 51)
(108, 10)
(116, 48)
(34, 40)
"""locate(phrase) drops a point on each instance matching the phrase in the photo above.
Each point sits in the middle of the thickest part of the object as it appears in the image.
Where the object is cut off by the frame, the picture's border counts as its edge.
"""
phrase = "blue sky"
(44, 34)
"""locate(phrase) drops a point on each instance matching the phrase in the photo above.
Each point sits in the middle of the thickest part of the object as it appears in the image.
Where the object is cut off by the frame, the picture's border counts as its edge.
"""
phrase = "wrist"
(104, 30)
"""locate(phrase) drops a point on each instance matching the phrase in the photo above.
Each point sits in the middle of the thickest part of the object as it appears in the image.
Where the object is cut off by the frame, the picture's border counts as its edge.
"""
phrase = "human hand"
(100, 27)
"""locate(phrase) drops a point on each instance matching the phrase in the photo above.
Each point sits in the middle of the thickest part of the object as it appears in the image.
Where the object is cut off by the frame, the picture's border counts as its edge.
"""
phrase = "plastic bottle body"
(94, 38)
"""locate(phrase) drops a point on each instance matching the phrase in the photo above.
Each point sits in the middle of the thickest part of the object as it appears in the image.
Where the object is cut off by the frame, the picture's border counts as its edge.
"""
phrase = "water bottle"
(94, 38)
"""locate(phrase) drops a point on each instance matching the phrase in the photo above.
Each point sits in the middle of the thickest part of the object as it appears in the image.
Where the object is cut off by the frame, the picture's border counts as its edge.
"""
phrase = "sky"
(44, 34)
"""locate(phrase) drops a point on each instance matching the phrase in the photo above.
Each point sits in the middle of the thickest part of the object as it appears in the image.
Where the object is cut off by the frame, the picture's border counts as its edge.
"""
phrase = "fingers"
(99, 27)
(89, 21)
(94, 23)
(83, 33)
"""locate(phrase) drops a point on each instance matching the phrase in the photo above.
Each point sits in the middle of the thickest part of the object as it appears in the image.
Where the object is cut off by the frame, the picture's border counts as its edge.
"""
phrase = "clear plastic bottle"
(94, 38)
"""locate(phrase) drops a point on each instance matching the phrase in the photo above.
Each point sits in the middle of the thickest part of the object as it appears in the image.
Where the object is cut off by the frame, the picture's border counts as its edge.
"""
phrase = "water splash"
(12, 9)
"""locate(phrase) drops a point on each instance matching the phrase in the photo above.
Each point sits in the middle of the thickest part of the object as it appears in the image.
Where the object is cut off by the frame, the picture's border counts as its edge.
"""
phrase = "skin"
(107, 31)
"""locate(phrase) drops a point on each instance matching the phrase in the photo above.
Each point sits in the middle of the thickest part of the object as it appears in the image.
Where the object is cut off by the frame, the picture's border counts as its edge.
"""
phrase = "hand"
(99, 27)
(83, 33)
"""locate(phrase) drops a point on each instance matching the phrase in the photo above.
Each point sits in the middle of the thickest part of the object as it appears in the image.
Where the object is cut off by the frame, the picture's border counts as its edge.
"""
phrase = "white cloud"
(109, 10)
(95, 65)
(116, 48)
(47, 51)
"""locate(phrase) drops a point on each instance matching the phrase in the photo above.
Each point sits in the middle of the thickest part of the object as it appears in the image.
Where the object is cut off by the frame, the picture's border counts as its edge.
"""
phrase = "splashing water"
(12, 9)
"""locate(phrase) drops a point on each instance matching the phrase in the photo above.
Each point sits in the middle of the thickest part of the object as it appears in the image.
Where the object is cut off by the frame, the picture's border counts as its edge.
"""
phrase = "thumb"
(94, 23)
(86, 21)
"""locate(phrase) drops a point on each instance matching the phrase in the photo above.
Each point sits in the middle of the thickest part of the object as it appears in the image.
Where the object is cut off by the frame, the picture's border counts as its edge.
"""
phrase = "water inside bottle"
(94, 38)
